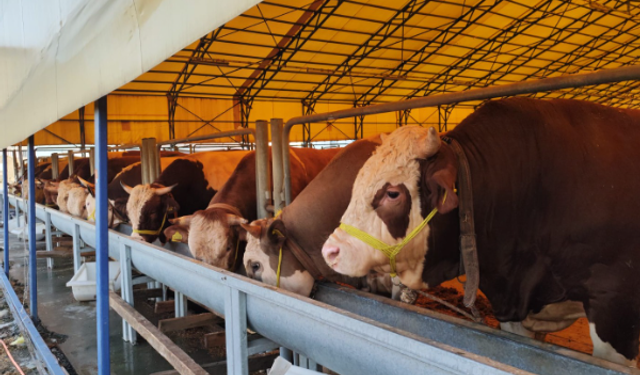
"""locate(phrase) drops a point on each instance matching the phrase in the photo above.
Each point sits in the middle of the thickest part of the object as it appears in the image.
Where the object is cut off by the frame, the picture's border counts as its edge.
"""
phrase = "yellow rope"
(92, 216)
(153, 232)
(279, 264)
(390, 251)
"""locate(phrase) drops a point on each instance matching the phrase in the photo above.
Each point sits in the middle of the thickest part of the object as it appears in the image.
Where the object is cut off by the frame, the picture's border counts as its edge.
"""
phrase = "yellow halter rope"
(390, 251)
(93, 215)
(153, 232)
(275, 231)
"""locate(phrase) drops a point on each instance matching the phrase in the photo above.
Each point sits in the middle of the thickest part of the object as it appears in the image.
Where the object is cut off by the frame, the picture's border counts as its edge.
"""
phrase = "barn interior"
(283, 59)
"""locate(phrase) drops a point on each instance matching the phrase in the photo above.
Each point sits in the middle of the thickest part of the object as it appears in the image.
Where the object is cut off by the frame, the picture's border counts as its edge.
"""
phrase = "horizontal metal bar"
(349, 331)
(21, 317)
(516, 88)
(230, 133)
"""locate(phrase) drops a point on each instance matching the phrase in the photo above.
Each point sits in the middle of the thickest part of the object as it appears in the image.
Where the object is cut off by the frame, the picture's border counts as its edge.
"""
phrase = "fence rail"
(344, 330)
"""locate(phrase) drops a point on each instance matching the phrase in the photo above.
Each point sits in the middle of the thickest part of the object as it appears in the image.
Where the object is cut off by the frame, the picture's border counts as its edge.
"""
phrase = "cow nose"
(330, 253)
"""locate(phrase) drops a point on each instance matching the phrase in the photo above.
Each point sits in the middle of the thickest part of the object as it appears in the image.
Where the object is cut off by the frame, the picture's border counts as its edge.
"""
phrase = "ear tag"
(177, 237)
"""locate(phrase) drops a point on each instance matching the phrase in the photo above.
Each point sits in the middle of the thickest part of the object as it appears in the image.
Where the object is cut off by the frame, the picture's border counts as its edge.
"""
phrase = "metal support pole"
(262, 167)
(276, 161)
(55, 166)
(180, 304)
(235, 312)
(148, 154)
(5, 210)
(82, 132)
(70, 162)
(92, 160)
(102, 238)
(33, 261)
(47, 238)
(128, 333)
(75, 234)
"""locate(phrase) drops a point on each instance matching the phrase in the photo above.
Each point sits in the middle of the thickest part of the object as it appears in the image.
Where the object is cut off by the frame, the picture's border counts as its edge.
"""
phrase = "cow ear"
(120, 207)
(276, 233)
(235, 220)
(251, 229)
(172, 204)
(177, 233)
(439, 176)
(182, 220)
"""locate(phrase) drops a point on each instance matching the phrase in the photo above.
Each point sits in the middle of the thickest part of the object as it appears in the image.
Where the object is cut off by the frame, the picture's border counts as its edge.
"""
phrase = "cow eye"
(255, 267)
(393, 194)
(229, 248)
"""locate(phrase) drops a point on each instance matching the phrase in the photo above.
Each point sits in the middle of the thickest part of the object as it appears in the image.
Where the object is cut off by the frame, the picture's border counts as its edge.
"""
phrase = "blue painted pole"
(102, 236)
(33, 261)
(5, 210)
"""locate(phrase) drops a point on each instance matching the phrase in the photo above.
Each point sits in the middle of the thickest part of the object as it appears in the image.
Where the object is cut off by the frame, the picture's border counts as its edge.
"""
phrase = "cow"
(214, 234)
(307, 222)
(76, 201)
(556, 211)
(186, 185)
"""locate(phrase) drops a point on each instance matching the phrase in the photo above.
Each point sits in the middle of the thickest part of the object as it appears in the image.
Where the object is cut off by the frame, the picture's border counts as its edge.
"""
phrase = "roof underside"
(362, 52)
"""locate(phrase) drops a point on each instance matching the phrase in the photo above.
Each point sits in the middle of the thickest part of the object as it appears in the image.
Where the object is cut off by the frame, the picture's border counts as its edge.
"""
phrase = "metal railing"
(347, 331)
(517, 88)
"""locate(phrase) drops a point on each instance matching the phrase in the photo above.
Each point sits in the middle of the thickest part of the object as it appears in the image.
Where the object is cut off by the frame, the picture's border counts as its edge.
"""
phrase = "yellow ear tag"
(177, 237)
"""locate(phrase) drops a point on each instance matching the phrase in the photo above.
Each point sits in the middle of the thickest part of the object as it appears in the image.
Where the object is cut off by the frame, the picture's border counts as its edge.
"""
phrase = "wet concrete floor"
(62, 314)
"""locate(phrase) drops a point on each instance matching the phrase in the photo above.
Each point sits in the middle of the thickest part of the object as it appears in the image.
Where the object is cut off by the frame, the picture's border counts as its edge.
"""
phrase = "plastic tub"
(83, 282)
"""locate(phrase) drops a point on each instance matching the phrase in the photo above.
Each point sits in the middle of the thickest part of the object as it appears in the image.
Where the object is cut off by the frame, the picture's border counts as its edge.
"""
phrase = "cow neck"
(227, 207)
(302, 257)
(468, 246)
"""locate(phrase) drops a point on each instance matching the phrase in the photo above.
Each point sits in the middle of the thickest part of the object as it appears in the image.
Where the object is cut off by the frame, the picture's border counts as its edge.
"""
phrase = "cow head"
(213, 235)
(148, 207)
(265, 238)
(50, 192)
(389, 199)
(114, 217)
(76, 203)
(63, 193)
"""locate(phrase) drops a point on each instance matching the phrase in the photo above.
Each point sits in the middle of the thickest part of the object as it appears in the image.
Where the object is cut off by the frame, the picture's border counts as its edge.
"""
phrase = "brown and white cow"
(214, 234)
(186, 185)
(556, 211)
(308, 221)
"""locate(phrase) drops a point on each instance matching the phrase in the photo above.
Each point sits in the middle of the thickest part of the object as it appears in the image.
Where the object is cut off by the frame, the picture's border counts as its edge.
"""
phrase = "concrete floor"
(62, 314)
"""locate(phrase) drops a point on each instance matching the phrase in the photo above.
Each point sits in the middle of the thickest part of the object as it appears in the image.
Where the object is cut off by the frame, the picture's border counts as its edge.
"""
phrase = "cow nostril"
(330, 253)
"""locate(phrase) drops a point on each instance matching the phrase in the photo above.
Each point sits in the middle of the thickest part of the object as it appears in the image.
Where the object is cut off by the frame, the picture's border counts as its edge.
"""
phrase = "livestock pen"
(166, 75)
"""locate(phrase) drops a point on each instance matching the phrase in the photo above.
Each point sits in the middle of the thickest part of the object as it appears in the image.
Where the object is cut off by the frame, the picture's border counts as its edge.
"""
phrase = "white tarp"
(59, 55)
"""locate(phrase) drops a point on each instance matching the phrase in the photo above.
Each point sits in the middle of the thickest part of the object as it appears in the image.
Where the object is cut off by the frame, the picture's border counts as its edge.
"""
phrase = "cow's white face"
(63, 193)
(261, 261)
(147, 208)
(212, 235)
(90, 205)
(76, 203)
(386, 204)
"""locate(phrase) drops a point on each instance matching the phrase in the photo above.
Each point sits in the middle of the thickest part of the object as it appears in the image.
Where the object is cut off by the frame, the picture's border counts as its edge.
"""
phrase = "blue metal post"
(5, 211)
(102, 236)
(33, 261)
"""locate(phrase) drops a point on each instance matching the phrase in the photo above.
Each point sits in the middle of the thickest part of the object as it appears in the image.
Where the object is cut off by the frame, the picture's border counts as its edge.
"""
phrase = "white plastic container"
(83, 283)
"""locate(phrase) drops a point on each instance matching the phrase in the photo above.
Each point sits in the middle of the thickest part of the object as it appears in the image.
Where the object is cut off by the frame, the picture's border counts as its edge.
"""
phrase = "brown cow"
(214, 234)
(186, 185)
(307, 222)
(556, 209)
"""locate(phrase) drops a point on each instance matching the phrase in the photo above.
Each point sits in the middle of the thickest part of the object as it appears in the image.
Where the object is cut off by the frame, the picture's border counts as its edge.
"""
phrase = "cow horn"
(235, 219)
(253, 230)
(85, 183)
(126, 187)
(429, 144)
(164, 190)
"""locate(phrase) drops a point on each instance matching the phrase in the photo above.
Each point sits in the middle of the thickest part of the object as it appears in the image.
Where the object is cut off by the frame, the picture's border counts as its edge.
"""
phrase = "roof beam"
(259, 74)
